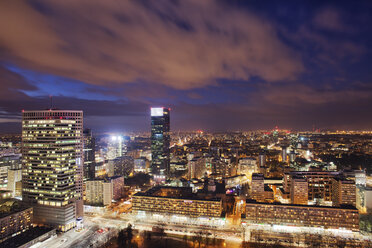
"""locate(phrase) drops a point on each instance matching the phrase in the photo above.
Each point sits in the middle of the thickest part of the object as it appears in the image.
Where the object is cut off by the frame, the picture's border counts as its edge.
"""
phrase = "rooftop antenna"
(51, 102)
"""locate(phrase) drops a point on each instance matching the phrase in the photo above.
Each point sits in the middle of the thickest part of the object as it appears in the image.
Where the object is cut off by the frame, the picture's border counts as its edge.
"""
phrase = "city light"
(268, 142)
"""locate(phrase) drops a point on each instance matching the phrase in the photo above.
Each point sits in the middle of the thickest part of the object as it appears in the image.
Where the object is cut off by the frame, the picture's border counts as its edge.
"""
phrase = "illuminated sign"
(156, 111)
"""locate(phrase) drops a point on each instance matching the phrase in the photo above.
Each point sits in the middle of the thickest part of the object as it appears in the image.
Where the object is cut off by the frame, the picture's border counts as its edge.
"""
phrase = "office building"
(283, 154)
(104, 191)
(319, 183)
(258, 187)
(116, 147)
(160, 142)
(247, 166)
(94, 192)
(140, 165)
(8, 162)
(364, 199)
(15, 182)
(299, 190)
(292, 157)
(262, 159)
(121, 166)
(196, 168)
(343, 192)
(89, 154)
(52, 166)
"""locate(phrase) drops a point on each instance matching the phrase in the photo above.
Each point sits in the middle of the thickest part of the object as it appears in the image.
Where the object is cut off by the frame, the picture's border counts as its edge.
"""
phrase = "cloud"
(11, 85)
(329, 19)
(180, 44)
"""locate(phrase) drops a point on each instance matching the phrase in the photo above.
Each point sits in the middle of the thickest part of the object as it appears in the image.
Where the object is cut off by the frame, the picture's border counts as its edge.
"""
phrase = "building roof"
(11, 206)
(184, 193)
(345, 207)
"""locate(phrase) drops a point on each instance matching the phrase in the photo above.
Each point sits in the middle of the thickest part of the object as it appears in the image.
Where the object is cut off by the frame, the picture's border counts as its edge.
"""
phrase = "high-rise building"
(7, 163)
(103, 191)
(299, 190)
(262, 160)
(343, 192)
(140, 165)
(364, 199)
(89, 155)
(247, 166)
(116, 147)
(283, 154)
(160, 142)
(196, 168)
(258, 187)
(52, 166)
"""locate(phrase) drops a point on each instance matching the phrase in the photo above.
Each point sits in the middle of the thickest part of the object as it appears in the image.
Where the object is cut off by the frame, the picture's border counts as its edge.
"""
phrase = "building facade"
(89, 154)
(170, 201)
(258, 187)
(299, 190)
(343, 192)
(52, 166)
(103, 191)
(16, 219)
(319, 183)
(160, 142)
(301, 215)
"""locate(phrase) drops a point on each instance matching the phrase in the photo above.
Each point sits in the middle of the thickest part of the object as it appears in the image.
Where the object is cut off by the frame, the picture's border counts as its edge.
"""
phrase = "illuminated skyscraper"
(89, 155)
(116, 147)
(160, 141)
(52, 166)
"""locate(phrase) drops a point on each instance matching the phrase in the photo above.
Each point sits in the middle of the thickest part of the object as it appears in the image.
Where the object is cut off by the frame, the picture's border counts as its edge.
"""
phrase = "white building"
(247, 166)
(364, 199)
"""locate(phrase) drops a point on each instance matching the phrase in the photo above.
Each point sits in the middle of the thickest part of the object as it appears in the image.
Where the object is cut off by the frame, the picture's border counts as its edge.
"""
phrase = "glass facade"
(160, 141)
(89, 155)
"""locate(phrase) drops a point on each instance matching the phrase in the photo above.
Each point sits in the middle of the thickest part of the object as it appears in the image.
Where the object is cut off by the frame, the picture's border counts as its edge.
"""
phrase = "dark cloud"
(184, 45)
(220, 65)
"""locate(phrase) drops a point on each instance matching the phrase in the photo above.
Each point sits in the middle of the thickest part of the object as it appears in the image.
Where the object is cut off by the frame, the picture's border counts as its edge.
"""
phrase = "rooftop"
(174, 193)
(11, 206)
(346, 207)
(25, 237)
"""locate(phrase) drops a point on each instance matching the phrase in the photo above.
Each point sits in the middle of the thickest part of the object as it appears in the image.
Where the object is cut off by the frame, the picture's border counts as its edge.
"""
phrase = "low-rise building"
(14, 217)
(176, 200)
(345, 217)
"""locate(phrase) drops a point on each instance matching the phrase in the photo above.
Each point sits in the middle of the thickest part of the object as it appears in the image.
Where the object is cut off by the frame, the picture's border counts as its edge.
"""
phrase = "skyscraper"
(89, 154)
(160, 141)
(52, 166)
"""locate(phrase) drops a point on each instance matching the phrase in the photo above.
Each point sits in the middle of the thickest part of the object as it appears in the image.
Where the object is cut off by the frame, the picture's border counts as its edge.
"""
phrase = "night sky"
(220, 65)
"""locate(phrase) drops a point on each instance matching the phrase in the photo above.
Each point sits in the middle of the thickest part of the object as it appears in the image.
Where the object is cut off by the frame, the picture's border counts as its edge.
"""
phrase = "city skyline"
(185, 123)
(230, 65)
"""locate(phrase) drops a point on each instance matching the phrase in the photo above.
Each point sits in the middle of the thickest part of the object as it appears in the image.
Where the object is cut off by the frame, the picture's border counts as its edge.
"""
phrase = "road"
(99, 228)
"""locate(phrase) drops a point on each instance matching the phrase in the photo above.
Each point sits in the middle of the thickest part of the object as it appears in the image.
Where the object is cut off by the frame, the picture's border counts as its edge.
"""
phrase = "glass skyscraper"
(89, 154)
(52, 166)
(160, 142)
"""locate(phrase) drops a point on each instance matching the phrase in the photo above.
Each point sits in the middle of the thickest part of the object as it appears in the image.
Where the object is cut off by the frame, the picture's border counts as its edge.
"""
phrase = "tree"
(125, 237)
